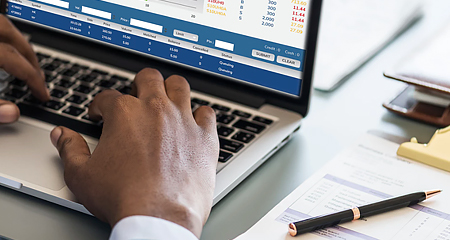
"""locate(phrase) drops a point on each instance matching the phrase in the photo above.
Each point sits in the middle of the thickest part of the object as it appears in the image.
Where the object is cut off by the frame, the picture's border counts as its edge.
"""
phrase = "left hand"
(18, 59)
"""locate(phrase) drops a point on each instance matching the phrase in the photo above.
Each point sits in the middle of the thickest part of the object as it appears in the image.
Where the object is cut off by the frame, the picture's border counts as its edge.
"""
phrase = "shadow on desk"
(23, 217)
(410, 128)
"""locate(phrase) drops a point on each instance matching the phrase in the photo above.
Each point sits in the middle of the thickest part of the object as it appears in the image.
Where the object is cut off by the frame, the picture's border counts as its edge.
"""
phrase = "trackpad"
(27, 153)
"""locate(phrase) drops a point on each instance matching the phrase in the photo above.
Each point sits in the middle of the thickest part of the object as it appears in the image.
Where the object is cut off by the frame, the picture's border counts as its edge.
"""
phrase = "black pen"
(316, 223)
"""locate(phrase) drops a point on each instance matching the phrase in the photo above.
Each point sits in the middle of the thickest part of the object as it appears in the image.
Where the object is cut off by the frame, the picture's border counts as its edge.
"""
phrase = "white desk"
(335, 120)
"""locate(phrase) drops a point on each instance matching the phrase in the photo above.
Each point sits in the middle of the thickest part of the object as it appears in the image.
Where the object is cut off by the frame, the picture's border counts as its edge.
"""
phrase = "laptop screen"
(258, 42)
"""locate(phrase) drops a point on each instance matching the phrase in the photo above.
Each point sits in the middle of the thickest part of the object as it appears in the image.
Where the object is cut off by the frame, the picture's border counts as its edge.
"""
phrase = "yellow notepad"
(436, 153)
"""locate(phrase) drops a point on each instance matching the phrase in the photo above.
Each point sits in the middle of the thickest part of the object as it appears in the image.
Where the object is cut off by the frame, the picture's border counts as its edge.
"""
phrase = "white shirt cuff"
(146, 228)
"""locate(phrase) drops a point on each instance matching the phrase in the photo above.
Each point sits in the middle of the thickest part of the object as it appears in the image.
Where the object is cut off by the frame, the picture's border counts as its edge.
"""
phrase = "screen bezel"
(216, 85)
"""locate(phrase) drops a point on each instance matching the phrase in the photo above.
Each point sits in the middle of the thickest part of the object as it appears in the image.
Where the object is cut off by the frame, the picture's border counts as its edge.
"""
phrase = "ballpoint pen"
(355, 213)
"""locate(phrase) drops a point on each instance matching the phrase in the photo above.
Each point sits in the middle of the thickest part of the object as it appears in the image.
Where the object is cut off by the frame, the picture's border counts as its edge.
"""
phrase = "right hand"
(154, 158)
(18, 59)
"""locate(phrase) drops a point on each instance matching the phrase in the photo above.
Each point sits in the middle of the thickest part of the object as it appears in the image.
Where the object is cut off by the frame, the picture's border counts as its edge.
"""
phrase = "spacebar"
(58, 120)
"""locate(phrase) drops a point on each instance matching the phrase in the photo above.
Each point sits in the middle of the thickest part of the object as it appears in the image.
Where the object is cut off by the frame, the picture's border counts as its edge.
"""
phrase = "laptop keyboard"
(74, 86)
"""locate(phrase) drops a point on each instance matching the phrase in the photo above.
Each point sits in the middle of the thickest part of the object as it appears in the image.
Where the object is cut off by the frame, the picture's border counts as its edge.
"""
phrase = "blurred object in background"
(352, 31)
(427, 71)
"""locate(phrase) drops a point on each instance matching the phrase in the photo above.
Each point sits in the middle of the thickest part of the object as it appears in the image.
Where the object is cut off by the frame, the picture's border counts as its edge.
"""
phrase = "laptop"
(251, 61)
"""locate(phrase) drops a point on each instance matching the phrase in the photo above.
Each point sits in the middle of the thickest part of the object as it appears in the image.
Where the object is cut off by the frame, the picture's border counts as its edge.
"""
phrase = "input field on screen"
(56, 3)
(224, 45)
(146, 25)
(95, 12)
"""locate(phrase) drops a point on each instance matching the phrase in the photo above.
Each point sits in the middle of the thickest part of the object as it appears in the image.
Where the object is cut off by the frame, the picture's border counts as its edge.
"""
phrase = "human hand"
(18, 59)
(154, 157)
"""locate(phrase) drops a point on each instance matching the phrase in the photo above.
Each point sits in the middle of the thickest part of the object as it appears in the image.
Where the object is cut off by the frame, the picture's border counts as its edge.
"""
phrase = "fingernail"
(8, 113)
(55, 135)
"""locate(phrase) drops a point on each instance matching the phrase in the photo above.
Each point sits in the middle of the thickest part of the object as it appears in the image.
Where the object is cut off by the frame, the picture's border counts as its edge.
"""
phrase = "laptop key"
(224, 131)
(220, 108)
(248, 126)
(100, 72)
(194, 106)
(89, 103)
(118, 78)
(65, 83)
(88, 78)
(10, 99)
(77, 99)
(230, 145)
(124, 89)
(243, 137)
(52, 104)
(78, 66)
(263, 120)
(60, 61)
(69, 72)
(74, 111)
(106, 83)
(50, 67)
(224, 156)
(18, 83)
(224, 118)
(84, 89)
(58, 93)
(86, 117)
(49, 77)
(42, 56)
(241, 114)
(199, 101)
(15, 93)
(32, 99)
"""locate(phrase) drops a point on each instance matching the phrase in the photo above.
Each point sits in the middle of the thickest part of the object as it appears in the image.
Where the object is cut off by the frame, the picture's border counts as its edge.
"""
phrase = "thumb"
(73, 150)
(9, 112)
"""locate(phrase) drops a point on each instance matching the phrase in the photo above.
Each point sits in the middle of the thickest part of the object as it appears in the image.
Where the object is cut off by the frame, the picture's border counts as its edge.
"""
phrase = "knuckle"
(208, 111)
(7, 48)
(178, 83)
(158, 103)
(123, 106)
(146, 72)
(177, 79)
(122, 102)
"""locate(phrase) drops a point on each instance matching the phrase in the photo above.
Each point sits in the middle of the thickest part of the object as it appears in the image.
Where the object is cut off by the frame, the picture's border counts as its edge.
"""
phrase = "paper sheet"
(352, 31)
(368, 172)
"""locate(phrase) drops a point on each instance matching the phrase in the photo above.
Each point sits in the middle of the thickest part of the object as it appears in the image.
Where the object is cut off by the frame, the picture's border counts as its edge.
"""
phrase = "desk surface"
(336, 119)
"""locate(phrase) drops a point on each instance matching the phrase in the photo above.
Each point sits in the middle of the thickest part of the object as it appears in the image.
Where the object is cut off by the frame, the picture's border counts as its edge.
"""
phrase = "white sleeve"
(144, 227)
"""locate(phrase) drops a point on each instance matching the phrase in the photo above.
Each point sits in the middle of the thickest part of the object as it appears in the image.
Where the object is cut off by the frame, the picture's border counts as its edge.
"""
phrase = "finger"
(103, 104)
(73, 150)
(11, 35)
(9, 112)
(148, 83)
(15, 64)
(206, 118)
(179, 91)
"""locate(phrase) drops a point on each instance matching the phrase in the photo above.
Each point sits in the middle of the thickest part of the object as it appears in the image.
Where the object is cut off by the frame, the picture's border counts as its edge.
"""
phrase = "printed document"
(368, 172)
